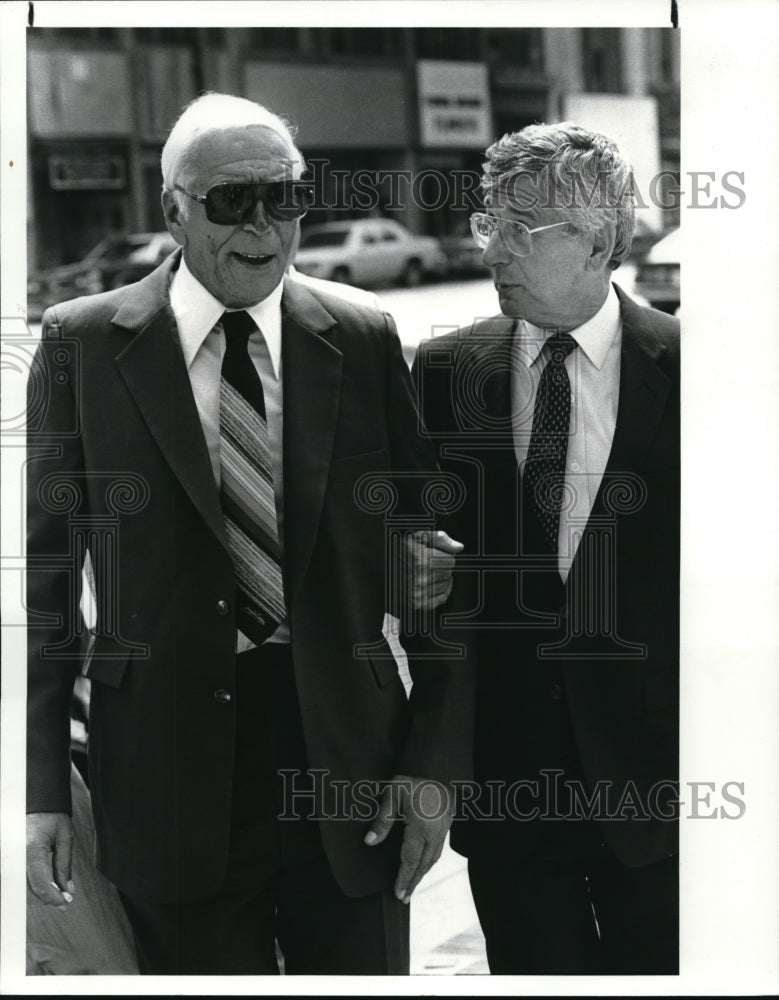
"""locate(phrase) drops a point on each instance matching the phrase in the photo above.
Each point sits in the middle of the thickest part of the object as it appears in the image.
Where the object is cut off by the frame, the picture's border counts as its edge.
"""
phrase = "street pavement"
(436, 309)
(446, 939)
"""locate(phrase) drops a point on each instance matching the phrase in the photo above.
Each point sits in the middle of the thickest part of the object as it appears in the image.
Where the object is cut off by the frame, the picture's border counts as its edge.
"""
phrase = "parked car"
(368, 252)
(658, 274)
(463, 257)
(118, 259)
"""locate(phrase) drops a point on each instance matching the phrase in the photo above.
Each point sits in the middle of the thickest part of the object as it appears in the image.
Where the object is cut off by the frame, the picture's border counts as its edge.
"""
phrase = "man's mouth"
(253, 259)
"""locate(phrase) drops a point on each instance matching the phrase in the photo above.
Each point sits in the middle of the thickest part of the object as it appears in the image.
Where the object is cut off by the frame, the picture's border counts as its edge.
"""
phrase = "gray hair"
(215, 112)
(582, 172)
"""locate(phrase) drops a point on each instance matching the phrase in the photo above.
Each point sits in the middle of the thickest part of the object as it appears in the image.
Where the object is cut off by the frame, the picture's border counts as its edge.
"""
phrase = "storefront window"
(166, 36)
(88, 34)
(365, 42)
(601, 60)
(264, 40)
(448, 43)
(521, 48)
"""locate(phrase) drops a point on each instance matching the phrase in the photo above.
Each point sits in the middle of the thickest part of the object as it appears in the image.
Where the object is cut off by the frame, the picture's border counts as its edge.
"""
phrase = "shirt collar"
(197, 312)
(595, 337)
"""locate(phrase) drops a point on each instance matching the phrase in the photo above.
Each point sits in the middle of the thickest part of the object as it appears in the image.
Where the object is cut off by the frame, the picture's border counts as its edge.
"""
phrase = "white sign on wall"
(454, 104)
(632, 123)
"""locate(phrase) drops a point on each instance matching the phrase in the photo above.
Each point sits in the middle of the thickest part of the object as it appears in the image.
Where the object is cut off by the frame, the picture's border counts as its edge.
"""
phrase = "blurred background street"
(393, 123)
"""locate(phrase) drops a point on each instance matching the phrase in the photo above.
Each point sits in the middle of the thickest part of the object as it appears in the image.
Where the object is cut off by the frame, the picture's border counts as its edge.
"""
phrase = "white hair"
(214, 113)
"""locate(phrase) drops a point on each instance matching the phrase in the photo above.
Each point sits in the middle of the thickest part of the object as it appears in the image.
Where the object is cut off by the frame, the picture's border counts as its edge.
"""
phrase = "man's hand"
(430, 561)
(426, 808)
(49, 857)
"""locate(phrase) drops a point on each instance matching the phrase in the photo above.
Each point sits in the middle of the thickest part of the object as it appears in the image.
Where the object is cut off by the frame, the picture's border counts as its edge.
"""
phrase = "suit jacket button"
(222, 696)
(223, 608)
(557, 692)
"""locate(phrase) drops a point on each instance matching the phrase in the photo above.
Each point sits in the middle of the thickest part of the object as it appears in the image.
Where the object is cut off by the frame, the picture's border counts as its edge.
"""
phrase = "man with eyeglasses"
(560, 416)
(215, 436)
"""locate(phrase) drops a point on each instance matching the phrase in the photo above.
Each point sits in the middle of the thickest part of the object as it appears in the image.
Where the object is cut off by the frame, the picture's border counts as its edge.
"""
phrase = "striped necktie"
(543, 479)
(248, 499)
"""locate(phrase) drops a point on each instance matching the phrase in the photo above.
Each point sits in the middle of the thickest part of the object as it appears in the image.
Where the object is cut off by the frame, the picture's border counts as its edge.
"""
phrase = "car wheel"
(412, 276)
(341, 274)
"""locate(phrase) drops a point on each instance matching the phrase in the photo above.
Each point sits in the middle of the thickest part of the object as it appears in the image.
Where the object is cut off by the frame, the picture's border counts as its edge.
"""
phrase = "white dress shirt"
(197, 312)
(593, 370)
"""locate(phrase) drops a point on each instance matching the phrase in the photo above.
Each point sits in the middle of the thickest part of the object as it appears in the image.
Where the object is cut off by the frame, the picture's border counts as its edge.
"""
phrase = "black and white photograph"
(375, 441)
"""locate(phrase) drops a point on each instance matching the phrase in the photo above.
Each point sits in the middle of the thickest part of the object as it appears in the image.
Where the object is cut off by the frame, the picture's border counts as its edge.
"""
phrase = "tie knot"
(559, 346)
(237, 325)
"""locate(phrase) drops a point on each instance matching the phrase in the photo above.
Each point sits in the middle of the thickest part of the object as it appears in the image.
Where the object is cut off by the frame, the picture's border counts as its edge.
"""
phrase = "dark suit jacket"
(608, 655)
(118, 464)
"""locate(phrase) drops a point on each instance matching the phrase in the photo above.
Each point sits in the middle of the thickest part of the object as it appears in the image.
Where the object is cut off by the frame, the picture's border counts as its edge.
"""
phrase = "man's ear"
(172, 214)
(602, 247)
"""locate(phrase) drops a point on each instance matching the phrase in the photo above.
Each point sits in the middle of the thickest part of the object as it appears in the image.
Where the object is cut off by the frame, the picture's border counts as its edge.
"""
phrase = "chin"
(510, 306)
(250, 296)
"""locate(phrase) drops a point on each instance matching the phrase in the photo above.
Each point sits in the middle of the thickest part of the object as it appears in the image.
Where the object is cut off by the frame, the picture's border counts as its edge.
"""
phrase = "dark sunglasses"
(230, 204)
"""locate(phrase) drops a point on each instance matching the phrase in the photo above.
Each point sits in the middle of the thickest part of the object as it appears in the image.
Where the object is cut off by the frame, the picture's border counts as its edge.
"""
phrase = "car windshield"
(323, 238)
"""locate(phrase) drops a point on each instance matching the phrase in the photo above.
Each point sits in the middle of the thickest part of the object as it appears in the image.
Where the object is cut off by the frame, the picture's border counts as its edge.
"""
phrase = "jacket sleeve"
(55, 498)
(439, 739)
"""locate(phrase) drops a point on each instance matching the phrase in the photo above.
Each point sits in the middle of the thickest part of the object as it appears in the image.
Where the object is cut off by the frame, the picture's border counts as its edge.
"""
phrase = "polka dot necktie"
(543, 480)
(248, 500)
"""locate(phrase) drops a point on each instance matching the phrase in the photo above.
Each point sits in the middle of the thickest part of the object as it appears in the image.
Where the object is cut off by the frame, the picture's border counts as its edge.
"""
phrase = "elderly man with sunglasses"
(218, 437)
(560, 416)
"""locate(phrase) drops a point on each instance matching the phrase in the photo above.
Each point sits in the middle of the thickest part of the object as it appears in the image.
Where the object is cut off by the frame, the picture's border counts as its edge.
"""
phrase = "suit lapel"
(153, 368)
(311, 370)
(483, 394)
(643, 391)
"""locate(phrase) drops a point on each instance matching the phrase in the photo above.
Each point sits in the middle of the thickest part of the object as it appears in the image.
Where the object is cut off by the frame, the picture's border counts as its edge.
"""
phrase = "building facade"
(393, 121)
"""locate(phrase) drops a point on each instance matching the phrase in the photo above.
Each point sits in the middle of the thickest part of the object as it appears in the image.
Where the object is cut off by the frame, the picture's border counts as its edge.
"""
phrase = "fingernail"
(67, 896)
(407, 899)
(371, 837)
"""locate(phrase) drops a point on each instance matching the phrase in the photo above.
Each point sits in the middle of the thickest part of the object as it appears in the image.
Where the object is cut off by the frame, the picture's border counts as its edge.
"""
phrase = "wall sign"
(93, 173)
(454, 104)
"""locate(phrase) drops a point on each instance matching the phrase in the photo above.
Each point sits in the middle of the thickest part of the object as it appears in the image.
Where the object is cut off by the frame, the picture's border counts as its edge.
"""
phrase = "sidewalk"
(445, 936)
(446, 939)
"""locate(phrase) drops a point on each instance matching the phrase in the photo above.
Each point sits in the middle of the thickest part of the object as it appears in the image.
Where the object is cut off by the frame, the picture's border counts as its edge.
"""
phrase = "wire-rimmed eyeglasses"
(516, 236)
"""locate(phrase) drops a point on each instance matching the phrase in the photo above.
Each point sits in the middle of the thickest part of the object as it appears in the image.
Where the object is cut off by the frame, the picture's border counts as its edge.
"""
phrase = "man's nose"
(495, 252)
(258, 219)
